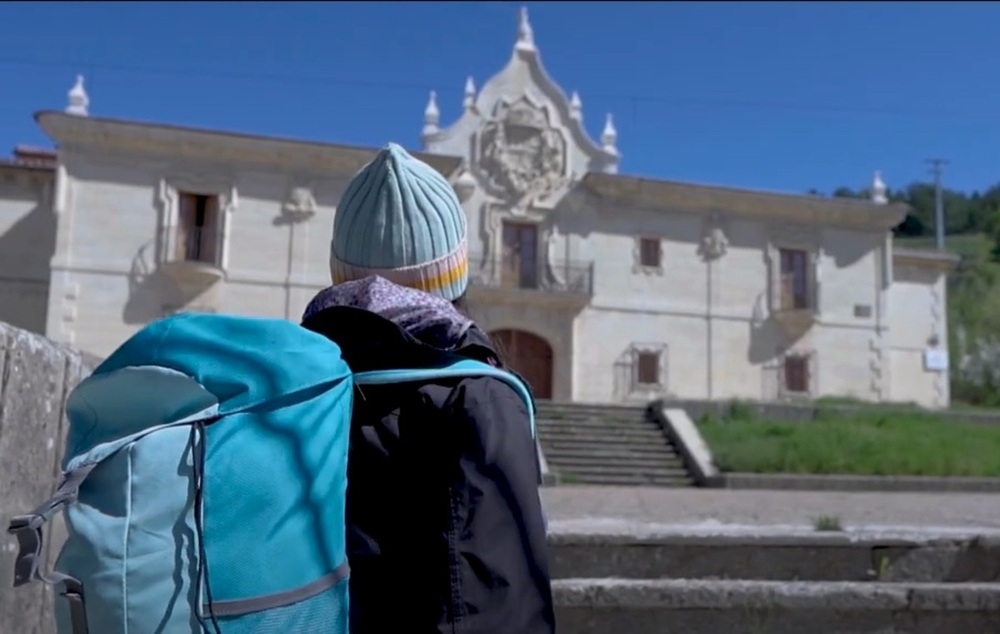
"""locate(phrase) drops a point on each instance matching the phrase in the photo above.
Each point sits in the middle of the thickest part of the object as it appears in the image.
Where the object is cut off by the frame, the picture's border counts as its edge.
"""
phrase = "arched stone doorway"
(530, 356)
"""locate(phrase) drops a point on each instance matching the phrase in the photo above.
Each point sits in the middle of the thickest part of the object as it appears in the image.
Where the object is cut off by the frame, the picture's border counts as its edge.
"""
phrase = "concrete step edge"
(615, 469)
(600, 432)
(634, 460)
(570, 477)
(593, 422)
(722, 594)
(615, 465)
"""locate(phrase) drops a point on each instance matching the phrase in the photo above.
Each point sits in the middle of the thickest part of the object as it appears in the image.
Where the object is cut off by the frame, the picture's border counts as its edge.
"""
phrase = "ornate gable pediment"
(521, 133)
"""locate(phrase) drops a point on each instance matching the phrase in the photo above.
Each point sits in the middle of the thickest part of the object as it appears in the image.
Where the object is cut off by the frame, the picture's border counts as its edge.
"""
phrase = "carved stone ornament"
(300, 203)
(521, 154)
(714, 244)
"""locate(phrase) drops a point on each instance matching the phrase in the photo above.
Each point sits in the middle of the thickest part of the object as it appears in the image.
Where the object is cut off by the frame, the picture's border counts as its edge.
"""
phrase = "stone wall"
(36, 375)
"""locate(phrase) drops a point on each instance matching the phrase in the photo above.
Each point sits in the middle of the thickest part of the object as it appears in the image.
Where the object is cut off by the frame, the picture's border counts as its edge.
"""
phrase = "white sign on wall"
(935, 360)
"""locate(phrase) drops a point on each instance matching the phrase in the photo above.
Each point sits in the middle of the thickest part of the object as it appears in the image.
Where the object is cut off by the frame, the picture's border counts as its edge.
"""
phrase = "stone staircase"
(607, 445)
(639, 580)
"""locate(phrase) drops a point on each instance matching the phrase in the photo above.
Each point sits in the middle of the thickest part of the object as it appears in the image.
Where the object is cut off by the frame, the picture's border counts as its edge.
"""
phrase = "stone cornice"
(926, 258)
(693, 198)
(228, 147)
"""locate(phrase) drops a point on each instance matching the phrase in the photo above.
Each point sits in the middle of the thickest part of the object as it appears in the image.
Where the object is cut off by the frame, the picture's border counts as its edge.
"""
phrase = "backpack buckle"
(31, 522)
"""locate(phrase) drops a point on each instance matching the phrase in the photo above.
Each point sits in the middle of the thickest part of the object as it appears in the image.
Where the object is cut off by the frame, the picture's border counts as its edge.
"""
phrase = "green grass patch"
(968, 244)
(866, 443)
(827, 523)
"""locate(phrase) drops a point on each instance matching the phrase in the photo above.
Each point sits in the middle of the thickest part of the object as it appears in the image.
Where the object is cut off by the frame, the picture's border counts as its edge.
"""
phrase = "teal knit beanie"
(400, 219)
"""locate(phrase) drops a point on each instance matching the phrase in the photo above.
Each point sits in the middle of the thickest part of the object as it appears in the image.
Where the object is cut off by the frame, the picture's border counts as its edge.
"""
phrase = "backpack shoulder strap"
(458, 368)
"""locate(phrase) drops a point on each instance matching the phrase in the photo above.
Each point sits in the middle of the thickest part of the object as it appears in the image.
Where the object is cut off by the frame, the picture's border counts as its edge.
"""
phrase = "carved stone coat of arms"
(522, 155)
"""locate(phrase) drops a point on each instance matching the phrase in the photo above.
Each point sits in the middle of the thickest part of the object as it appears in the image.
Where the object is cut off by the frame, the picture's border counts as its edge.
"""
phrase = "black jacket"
(445, 525)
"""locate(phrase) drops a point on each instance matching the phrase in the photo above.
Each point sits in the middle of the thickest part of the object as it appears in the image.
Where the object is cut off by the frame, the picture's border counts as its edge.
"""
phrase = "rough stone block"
(36, 375)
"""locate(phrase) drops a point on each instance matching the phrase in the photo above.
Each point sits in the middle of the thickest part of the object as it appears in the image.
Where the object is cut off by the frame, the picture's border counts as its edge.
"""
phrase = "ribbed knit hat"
(400, 219)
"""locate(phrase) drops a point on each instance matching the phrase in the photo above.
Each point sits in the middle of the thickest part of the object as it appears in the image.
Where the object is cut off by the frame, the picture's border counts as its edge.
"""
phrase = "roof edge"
(63, 128)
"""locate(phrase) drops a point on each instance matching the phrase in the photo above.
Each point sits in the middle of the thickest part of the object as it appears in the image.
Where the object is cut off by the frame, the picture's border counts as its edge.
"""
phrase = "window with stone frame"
(650, 252)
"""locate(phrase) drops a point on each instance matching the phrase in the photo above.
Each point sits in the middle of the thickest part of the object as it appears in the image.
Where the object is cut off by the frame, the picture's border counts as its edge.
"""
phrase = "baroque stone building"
(599, 286)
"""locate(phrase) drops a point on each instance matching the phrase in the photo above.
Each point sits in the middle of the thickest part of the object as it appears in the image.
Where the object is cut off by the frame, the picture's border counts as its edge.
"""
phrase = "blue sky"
(767, 95)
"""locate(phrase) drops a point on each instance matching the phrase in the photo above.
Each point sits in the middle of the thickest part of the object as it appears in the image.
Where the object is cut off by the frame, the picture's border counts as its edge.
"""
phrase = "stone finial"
(576, 106)
(432, 115)
(525, 34)
(469, 99)
(609, 137)
(464, 186)
(879, 192)
(77, 100)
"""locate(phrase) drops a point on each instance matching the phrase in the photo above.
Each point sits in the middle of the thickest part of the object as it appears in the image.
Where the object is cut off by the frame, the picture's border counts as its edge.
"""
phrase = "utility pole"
(937, 167)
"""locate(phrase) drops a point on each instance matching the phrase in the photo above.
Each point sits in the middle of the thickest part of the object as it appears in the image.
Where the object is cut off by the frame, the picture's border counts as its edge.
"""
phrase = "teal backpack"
(204, 482)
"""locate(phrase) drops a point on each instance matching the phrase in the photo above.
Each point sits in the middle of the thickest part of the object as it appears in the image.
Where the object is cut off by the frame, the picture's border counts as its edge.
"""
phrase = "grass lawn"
(871, 443)
(967, 245)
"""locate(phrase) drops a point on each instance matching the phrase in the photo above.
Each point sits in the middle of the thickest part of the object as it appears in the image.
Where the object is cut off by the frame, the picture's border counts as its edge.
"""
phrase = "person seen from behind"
(446, 531)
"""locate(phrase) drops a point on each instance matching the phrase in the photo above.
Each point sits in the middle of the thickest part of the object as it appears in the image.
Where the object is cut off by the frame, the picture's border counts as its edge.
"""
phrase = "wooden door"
(519, 262)
(530, 356)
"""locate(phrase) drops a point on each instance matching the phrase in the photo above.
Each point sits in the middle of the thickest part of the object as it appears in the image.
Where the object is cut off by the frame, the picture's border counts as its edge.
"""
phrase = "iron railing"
(539, 274)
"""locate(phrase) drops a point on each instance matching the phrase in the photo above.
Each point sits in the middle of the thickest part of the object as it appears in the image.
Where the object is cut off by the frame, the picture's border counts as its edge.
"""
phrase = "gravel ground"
(769, 508)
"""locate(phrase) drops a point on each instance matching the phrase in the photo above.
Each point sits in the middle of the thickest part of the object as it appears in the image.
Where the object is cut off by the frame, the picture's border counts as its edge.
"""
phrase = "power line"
(937, 168)
(457, 89)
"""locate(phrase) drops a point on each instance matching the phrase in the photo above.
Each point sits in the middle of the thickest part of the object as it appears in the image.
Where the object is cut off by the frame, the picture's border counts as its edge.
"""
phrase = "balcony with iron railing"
(539, 279)
(194, 260)
(795, 301)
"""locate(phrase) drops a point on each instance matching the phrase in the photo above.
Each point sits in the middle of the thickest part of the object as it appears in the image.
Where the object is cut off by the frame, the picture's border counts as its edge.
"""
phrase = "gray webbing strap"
(28, 565)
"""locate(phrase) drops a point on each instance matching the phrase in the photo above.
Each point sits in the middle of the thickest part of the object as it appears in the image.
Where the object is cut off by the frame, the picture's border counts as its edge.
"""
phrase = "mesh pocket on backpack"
(323, 613)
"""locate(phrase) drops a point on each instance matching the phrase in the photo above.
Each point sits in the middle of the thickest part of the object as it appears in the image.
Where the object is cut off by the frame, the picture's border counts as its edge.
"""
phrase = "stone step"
(592, 422)
(592, 418)
(578, 405)
(692, 606)
(638, 483)
(569, 477)
(576, 408)
(804, 555)
(603, 455)
(636, 416)
(615, 443)
(574, 446)
(602, 432)
(612, 468)
(545, 424)
(596, 424)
